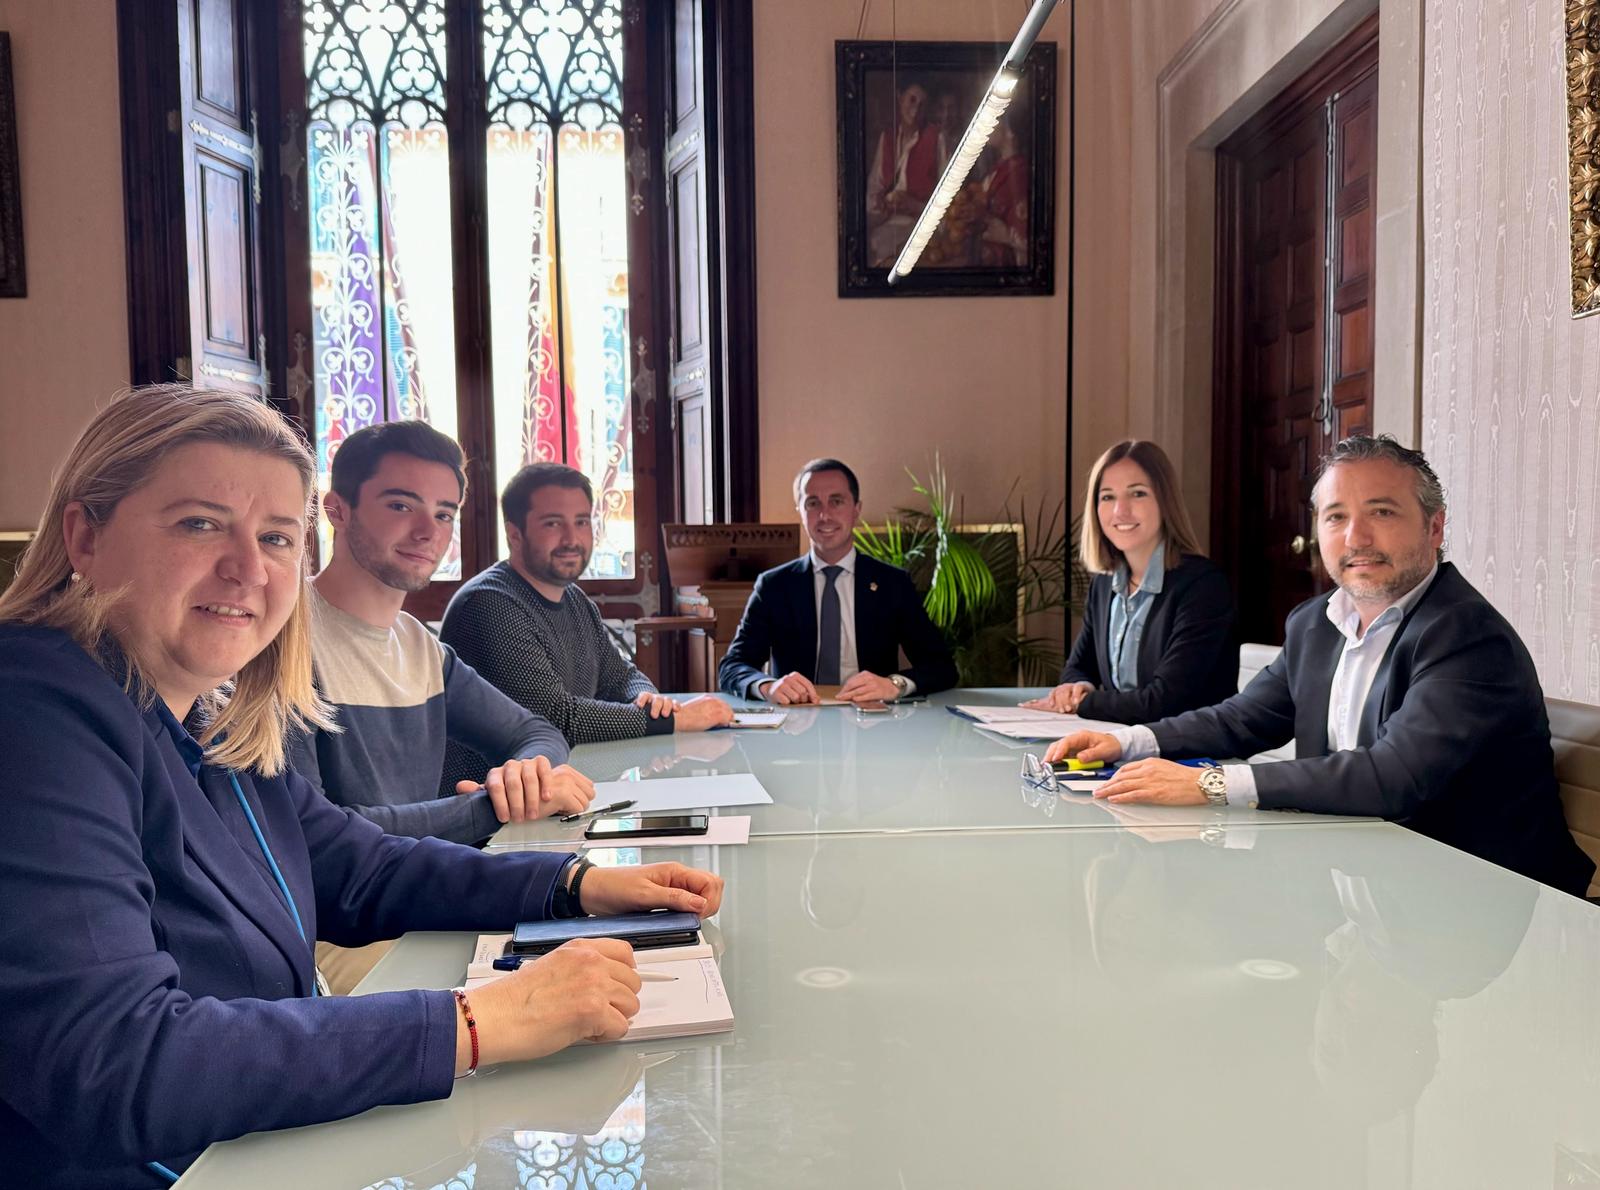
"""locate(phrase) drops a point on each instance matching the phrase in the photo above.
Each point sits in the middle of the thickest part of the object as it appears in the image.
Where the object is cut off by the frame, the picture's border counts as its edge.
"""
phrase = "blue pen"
(512, 962)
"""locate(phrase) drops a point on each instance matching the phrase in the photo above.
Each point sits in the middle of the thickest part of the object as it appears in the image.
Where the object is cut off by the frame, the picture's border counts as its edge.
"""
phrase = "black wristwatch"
(566, 901)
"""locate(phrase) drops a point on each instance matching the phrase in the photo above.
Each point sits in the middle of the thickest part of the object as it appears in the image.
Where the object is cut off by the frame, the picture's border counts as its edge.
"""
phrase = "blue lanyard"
(283, 887)
(261, 841)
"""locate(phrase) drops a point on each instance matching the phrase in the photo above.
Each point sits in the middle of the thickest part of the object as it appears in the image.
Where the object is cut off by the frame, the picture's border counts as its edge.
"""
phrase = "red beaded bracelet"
(472, 1029)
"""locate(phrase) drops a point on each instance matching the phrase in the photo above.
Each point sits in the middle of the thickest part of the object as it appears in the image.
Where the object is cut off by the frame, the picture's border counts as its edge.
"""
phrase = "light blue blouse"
(1128, 616)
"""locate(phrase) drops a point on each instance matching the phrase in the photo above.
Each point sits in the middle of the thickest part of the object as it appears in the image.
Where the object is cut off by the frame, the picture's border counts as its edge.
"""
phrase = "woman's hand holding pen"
(584, 990)
(524, 789)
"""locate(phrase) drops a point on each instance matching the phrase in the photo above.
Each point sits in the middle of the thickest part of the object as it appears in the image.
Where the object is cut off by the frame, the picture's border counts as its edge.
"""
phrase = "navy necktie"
(828, 630)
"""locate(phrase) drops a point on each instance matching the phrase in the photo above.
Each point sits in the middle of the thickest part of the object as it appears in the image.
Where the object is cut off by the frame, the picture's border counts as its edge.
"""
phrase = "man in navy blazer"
(1407, 695)
(834, 617)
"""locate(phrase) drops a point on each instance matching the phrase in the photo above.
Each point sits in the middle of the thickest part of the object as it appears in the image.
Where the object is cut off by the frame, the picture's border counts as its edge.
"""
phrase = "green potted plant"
(983, 585)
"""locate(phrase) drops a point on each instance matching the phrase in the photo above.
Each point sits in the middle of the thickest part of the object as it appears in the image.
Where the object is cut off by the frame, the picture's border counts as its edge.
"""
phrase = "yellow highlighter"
(1075, 765)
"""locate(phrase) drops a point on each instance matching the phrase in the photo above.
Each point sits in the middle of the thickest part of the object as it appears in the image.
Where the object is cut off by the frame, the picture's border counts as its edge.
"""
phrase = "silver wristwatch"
(900, 685)
(1214, 785)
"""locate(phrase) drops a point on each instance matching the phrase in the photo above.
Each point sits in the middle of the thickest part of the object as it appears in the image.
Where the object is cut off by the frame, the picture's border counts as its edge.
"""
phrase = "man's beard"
(372, 559)
(543, 566)
(1409, 570)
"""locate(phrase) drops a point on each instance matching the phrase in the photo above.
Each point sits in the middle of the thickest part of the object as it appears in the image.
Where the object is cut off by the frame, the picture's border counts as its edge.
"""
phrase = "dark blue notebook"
(640, 930)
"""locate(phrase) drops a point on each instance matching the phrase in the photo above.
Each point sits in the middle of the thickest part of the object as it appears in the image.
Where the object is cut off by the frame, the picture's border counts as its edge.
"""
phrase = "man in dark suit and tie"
(834, 617)
(1407, 695)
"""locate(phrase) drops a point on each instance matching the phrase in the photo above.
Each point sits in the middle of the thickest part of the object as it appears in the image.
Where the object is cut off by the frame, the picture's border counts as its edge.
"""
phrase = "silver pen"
(611, 809)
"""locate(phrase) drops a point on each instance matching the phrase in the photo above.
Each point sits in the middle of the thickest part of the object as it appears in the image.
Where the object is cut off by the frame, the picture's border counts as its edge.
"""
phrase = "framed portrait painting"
(902, 109)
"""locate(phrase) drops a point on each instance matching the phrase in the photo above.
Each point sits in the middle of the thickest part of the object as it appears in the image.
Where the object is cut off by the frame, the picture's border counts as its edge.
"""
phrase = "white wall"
(884, 382)
(1510, 382)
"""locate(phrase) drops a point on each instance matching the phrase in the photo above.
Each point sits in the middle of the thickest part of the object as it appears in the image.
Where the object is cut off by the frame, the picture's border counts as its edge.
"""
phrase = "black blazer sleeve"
(1464, 706)
(1197, 651)
(932, 668)
(743, 665)
(1257, 719)
(1083, 663)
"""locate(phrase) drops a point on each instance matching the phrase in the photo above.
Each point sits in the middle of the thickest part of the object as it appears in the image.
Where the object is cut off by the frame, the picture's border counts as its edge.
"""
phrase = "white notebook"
(693, 1004)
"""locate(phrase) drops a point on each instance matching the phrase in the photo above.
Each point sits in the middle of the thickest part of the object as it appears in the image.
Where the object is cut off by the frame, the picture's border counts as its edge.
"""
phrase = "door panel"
(1354, 135)
(693, 463)
(219, 82)
(222, 197)
(1284, 333)
(1294, 334)
(225, 223)
(689, 218)
(688, 277)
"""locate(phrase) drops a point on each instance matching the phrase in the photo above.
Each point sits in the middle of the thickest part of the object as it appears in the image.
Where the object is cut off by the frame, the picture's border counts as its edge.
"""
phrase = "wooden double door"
(1294, 323)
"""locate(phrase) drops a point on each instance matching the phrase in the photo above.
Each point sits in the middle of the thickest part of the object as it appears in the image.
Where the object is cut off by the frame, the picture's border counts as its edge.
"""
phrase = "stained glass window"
(378, 166)
(611, 1159)
(558, 252)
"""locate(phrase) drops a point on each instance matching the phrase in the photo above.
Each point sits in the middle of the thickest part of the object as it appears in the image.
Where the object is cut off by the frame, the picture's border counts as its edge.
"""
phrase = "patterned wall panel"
(1510, 382)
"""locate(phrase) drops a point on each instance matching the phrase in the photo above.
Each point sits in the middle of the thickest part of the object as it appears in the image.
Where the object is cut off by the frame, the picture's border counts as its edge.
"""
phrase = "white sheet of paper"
(721, 831)
(693, 1004)
(744, 720)
(1047, 731)
(660, 794)
(996, 715)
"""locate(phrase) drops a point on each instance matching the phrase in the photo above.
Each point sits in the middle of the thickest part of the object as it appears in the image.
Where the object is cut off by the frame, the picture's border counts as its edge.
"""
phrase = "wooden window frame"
(159, 283)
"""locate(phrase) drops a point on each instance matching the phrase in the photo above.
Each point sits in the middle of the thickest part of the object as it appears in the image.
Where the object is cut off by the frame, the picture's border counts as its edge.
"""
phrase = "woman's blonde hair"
(1177, 530)
(248, 719)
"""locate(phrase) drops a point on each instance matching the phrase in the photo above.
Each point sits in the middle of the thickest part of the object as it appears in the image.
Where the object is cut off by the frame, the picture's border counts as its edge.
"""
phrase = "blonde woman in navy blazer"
(164, 874)
(1158, 634)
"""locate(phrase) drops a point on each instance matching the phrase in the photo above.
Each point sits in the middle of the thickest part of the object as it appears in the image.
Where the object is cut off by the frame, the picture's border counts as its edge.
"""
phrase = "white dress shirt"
(1358, 667)
(845, 585)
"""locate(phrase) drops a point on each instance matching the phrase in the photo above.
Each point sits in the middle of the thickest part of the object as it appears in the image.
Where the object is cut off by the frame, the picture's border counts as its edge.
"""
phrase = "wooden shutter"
(222, 196)
(192, 180)
(689, 267)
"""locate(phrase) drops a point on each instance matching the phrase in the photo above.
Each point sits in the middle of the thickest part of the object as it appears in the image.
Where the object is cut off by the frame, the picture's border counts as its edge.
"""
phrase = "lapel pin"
(872, 586)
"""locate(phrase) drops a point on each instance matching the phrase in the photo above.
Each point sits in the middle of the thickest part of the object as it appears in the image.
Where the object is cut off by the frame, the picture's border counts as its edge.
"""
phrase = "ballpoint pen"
(611, 809)
(512, 962)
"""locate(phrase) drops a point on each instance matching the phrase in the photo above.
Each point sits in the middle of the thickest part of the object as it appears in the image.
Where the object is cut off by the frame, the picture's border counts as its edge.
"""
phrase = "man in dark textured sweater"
(526, 626)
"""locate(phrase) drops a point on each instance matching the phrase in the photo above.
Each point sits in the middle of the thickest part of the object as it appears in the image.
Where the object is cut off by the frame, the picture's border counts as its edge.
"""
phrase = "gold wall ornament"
(1583, 146)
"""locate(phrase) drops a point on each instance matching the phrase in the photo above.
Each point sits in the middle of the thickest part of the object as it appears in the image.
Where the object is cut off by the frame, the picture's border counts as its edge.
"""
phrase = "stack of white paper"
(1024, 723)
(660, 794)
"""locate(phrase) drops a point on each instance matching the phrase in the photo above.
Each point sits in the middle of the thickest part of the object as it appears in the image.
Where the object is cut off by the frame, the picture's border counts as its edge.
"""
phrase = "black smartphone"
(649, 824)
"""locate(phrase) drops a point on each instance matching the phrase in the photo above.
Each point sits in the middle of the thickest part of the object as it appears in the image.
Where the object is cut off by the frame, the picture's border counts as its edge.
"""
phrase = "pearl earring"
(74, 577)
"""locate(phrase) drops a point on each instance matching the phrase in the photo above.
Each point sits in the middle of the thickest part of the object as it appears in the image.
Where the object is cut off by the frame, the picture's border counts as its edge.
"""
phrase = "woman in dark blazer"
(1158, 634)
(164, 875)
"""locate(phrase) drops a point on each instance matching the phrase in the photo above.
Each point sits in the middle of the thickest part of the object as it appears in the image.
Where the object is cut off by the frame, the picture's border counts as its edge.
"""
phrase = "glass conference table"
(1348, 1006)
(915, 768)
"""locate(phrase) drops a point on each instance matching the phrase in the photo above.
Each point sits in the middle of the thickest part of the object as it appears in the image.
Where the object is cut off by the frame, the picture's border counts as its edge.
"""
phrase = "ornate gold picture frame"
(1583, 150)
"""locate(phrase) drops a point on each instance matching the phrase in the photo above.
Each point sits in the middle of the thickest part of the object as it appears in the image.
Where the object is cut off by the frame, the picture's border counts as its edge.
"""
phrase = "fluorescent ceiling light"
(995, 102)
